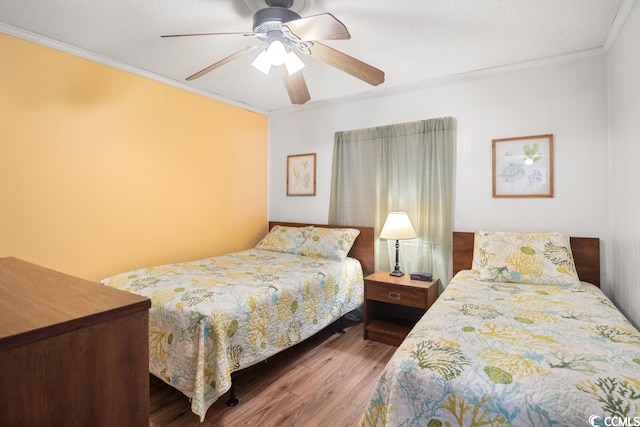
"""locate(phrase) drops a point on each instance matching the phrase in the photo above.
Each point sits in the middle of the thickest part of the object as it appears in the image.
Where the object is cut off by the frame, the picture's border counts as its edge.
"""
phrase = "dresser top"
(38, 303)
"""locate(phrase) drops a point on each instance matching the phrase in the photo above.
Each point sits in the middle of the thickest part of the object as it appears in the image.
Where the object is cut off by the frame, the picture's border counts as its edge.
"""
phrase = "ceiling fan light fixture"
(293, 63)
(277, 54)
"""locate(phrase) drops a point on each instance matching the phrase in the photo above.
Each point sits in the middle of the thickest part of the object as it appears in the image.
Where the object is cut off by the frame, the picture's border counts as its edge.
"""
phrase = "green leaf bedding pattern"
(214, 316)
(501, 354)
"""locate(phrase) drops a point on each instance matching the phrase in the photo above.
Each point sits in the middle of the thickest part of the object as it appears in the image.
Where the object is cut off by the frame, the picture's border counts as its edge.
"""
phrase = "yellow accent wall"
(102, 171)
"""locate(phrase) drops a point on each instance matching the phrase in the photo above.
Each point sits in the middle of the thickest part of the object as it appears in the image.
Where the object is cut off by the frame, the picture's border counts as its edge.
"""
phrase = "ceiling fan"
(281, 32)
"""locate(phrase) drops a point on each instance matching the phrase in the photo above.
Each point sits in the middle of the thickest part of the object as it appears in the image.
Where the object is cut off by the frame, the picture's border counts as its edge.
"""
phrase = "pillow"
(534, 258)
(333, 243)
(284, 239)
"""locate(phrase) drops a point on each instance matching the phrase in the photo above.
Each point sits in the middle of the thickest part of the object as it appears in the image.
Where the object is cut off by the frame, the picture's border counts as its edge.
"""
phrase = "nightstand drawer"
(394, 294)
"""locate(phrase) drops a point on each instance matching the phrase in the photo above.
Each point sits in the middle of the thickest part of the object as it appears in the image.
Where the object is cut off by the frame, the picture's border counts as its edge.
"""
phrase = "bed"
(215, 316)
(508, 343)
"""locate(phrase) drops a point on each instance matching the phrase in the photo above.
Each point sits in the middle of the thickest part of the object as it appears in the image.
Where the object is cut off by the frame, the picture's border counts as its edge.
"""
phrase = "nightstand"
(393, 305)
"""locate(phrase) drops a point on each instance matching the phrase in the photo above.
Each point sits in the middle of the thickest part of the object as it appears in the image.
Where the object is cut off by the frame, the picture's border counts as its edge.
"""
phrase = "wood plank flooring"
(324, 381)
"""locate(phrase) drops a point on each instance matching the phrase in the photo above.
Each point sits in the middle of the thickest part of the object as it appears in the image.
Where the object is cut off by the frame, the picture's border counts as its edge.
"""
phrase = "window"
(404, 167)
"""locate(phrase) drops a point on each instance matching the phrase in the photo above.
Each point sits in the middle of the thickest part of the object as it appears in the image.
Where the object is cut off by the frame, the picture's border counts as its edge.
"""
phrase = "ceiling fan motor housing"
(270, 18)
(279, 3)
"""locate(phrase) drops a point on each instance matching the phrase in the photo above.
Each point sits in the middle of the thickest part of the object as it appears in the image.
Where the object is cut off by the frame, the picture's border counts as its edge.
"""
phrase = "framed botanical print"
(523, 166)
(301, 175)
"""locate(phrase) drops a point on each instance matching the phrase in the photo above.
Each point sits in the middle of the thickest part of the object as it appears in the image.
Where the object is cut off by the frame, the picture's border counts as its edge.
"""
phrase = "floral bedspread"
(218, 315)
(500, 354)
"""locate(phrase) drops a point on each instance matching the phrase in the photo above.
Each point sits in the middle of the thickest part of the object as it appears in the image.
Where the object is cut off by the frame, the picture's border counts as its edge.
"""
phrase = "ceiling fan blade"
(318, 27)
(247, 34)
(222, 62)
(296, 86)
(347, 63)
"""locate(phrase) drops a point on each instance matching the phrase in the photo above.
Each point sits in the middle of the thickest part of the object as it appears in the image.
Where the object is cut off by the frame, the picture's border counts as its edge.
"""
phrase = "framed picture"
(523, 166)
(301, 175)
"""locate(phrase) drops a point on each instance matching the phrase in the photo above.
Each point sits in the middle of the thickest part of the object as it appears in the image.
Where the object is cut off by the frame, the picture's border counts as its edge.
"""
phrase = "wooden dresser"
(72, 352)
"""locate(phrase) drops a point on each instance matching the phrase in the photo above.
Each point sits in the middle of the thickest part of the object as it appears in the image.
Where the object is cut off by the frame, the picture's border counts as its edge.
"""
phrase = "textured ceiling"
(413, 41)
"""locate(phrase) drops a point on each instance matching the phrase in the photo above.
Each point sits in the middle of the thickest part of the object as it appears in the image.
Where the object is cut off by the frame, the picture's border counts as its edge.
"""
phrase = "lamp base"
(396, 270)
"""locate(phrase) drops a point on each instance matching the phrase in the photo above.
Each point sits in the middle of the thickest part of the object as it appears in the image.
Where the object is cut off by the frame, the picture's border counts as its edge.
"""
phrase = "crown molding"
(83, 53)
(456, 78)
(618, 23)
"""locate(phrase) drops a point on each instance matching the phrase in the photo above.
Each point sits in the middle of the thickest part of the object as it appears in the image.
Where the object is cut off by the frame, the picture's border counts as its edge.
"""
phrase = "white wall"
(567, 99)
(624, 94)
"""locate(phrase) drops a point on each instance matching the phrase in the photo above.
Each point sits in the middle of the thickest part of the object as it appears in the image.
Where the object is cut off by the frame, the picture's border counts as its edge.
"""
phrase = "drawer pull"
(394, 295)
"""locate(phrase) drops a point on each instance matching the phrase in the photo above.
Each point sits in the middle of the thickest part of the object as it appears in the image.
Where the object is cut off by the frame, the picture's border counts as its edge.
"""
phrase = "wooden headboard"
(362, 248)
(586, 255)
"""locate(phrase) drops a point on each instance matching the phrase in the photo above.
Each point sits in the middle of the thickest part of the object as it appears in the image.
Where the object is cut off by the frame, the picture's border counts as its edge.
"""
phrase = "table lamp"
(397, 227)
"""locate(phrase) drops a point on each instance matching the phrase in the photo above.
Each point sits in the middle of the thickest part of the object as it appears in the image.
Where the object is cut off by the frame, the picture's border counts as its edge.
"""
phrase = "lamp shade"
(398, 227)
(293, 63)
(262, 62)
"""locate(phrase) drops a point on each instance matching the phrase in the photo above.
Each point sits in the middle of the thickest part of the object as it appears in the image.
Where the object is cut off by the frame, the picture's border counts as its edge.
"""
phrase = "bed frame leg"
(340, 326)
(232, 396)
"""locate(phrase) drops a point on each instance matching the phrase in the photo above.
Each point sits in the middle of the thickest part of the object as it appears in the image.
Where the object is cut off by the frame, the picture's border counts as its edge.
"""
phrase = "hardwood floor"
(324, 381)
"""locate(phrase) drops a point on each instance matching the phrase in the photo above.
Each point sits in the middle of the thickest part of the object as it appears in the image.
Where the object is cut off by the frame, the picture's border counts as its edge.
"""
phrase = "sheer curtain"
(404, 167)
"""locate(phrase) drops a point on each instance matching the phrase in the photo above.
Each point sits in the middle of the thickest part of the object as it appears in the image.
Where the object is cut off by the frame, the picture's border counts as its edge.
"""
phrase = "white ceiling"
(414, 42)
